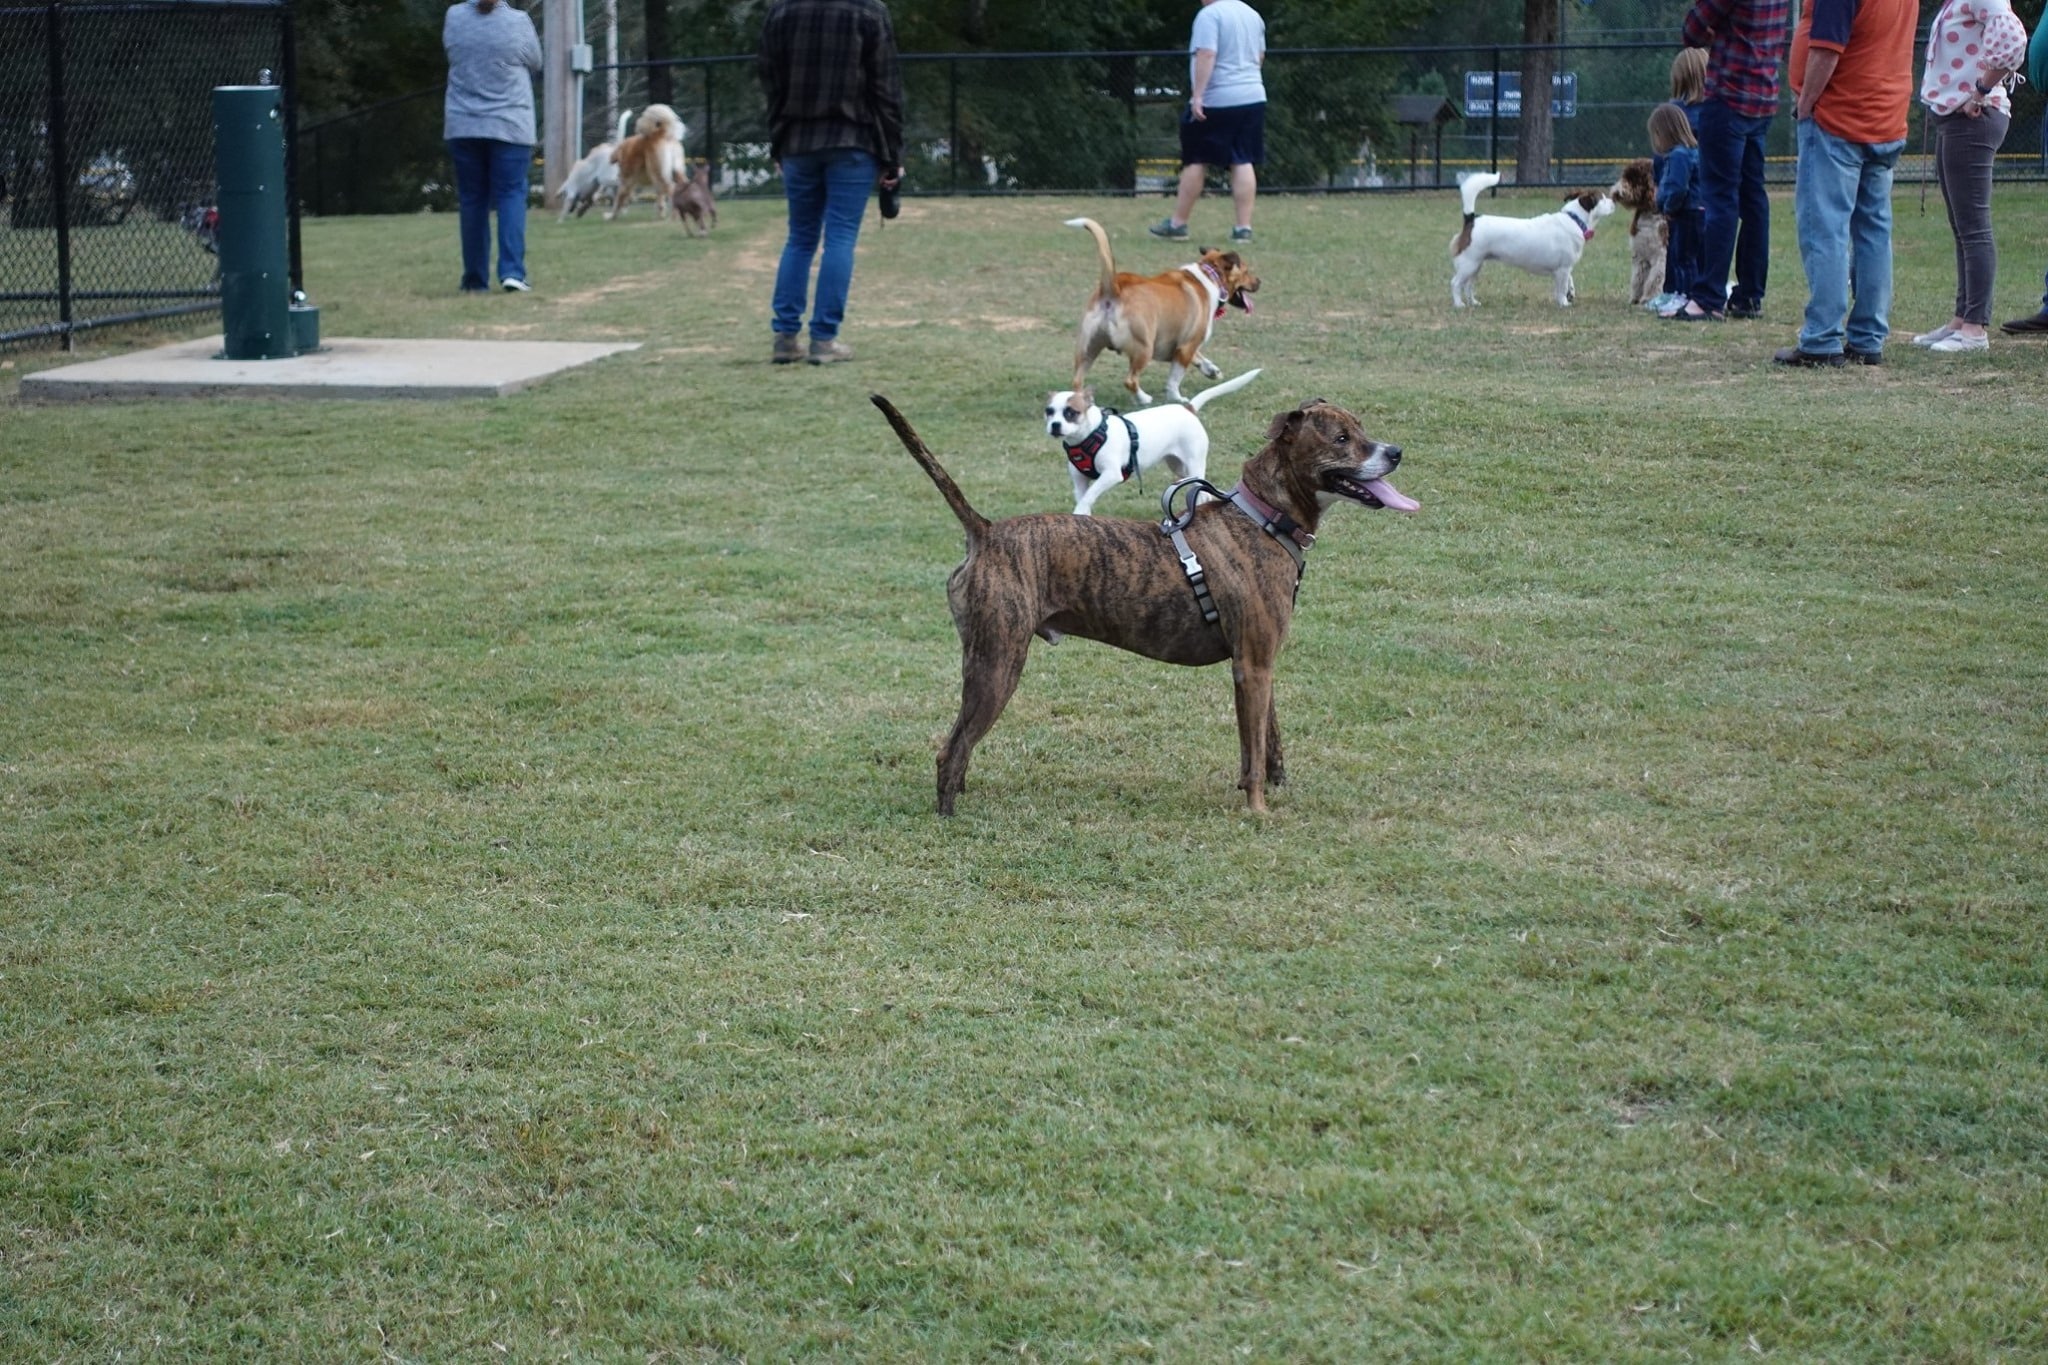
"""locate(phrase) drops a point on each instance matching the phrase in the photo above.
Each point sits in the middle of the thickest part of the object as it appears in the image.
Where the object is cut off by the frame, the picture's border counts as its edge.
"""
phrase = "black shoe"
(1745, 311)
(2020, 327)
(1793, 356)
(1865, 357)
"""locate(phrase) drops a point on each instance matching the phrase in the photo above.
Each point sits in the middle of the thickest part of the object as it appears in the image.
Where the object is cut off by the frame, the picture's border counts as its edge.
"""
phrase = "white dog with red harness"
(1104, 447)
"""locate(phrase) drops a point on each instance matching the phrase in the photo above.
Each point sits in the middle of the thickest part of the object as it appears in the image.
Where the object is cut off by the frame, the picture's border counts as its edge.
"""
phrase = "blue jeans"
(1844, 201)
(491, 175)
(1737, 230)
(828, 194)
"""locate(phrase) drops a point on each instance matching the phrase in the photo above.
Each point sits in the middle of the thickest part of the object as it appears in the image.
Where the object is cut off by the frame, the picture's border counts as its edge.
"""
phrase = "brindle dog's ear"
(1284, 425)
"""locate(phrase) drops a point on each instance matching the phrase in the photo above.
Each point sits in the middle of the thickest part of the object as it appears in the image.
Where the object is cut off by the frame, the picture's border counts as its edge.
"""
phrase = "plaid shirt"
(1747, 38)
(829, 71)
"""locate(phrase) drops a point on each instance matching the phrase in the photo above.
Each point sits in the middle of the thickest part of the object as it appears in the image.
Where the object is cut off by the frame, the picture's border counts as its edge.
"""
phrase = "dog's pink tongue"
(1389, 496)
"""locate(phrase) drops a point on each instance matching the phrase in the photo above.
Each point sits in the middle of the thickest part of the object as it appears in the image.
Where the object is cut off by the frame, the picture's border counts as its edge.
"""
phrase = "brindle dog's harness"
(1293, 537)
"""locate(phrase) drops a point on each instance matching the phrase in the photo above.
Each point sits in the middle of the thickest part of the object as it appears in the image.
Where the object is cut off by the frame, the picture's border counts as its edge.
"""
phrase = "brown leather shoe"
(829, 352)
(788, 350)
(2020, 327)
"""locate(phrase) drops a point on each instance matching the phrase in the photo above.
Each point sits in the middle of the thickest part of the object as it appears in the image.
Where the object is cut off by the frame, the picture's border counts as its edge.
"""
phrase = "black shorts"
(1231, 136)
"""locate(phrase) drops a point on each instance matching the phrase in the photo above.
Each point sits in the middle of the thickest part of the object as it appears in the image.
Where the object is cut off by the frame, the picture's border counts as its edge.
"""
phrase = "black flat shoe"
(1865, 357)
(2024, 326)
(1793, 356)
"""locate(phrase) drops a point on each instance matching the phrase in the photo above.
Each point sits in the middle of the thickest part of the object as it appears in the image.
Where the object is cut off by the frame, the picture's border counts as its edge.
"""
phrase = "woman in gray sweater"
(493, 56)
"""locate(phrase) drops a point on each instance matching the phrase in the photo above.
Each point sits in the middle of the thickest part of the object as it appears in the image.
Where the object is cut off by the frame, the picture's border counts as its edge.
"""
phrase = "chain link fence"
(107, 157)
(1338, 119)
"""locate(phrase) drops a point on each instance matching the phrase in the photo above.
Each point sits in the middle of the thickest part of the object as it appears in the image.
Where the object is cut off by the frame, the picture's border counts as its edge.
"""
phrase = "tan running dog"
(652, 157)
(1159, 317)
(1220, 586)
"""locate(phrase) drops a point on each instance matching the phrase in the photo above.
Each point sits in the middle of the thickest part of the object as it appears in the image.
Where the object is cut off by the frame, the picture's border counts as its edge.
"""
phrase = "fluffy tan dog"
(652, 158)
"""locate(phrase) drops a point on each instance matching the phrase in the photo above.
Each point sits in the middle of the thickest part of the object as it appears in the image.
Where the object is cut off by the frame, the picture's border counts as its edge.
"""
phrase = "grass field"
(469, 886)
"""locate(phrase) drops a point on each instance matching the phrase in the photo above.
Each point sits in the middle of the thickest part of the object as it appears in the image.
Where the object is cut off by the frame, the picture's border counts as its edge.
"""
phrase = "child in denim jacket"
(1676, 164)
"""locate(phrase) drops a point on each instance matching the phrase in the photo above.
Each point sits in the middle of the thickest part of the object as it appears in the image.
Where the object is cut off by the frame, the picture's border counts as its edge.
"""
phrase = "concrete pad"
(344, 367)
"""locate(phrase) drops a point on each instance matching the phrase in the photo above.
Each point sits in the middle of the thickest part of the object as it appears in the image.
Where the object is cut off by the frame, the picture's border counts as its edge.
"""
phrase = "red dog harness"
(1082, 454)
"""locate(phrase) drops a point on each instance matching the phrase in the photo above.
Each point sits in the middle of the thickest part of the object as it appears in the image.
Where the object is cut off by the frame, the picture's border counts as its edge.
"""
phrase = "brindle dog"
(1123, 583)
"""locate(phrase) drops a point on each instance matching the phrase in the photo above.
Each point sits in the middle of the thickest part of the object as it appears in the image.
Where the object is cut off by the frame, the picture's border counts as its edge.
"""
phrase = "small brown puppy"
(1649, 233)
(693, 201)
(652, 157)
(1159, 317)
(1125, 583)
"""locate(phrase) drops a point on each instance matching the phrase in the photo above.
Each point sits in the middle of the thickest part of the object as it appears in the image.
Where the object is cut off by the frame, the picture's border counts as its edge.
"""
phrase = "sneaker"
(1956, 341)
(1239, 235)
(788, 348)
(1165, 228)
(1941, 333)
(512, 284)
(1748, 312)
(829, 352)
(1661, 302)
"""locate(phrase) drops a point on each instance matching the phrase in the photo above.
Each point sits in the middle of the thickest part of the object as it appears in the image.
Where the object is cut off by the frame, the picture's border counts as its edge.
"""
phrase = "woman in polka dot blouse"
(1973, 48)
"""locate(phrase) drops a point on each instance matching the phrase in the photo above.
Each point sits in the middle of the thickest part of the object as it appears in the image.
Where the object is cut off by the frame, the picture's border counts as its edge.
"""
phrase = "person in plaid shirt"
(835, 124)
(1746, 42)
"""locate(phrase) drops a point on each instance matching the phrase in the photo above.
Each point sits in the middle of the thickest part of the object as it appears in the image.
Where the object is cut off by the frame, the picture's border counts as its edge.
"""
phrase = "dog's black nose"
(1393, 454)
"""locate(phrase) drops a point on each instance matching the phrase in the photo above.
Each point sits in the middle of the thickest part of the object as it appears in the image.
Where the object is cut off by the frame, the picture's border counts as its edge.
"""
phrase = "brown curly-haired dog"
(1649, 234)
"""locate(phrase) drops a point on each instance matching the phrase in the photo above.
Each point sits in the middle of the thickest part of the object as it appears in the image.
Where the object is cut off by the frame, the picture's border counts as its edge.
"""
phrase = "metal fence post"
(953, 126)
(711, 117)
(1493, 120)
(288, 66)
(60, 169)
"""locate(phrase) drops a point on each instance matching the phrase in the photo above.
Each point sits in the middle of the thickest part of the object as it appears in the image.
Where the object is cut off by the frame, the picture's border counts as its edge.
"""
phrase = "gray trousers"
(1964, 148)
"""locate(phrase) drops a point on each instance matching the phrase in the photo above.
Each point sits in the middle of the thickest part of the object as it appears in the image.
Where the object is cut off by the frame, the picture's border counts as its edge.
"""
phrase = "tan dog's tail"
(973, 521)
(1108, 285)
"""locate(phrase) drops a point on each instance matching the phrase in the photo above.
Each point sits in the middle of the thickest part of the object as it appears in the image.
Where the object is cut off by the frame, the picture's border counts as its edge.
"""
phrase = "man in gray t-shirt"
(1224, 123)
(493, 56)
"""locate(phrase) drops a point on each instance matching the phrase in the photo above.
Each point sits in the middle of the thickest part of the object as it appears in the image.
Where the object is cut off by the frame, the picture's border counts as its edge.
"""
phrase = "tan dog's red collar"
(1214, 277)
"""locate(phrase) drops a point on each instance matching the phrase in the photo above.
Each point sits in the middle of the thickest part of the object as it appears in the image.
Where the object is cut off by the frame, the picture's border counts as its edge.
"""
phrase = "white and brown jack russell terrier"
(1104, 447)
(1547, 245)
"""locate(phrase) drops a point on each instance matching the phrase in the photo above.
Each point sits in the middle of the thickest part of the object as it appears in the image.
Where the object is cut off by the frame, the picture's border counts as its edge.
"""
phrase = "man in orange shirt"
(1852, 69)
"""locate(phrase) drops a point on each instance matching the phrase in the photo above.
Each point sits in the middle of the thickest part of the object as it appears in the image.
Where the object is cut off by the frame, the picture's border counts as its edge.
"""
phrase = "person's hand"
(1195, 109)
(892, 179)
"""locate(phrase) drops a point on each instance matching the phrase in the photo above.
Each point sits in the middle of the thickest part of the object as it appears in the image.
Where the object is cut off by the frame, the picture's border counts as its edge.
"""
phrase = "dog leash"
(1290, 533)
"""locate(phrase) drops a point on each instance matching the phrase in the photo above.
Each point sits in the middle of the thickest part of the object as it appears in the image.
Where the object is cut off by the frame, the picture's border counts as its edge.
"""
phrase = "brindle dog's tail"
(974, 521)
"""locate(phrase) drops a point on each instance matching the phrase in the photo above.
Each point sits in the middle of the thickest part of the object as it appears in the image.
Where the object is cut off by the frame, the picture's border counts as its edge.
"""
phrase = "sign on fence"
(1564, 94)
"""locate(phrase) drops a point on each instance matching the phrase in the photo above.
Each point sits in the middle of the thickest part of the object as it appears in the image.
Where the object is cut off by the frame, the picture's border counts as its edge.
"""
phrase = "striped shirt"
(1746, 41)
(829, 71)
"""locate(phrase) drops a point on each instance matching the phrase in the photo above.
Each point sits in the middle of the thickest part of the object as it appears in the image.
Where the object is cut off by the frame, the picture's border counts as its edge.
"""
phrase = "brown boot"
(788, 349)
(829, 352)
